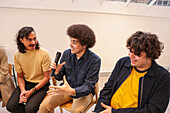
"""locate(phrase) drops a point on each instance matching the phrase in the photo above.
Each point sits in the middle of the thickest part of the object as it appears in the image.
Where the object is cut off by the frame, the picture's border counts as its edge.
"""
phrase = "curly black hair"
(83, 33)
(24, 32)
(147, 42)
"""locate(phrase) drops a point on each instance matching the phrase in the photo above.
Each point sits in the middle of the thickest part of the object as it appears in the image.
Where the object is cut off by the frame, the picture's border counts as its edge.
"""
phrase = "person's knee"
(45, 108)
(31, 109)
(78, 110)
(10, 107)
(43, 105)
(49, 104)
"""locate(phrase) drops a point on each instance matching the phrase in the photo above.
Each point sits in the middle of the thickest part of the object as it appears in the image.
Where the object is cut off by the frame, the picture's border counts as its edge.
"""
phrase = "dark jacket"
(81, 74)
(154, 88)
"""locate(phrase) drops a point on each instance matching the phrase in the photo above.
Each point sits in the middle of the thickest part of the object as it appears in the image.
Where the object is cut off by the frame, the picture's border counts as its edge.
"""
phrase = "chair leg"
(14, 75)
(61, 110)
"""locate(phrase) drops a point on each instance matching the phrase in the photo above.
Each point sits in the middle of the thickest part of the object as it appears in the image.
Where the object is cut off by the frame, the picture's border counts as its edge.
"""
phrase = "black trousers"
(33, 103)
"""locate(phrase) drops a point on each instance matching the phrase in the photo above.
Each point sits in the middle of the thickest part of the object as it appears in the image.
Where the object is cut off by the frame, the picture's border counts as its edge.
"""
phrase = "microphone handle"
(52, 72)
(58, 54)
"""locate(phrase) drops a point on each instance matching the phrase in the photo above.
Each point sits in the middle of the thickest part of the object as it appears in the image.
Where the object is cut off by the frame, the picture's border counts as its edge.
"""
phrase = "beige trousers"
(51, 102)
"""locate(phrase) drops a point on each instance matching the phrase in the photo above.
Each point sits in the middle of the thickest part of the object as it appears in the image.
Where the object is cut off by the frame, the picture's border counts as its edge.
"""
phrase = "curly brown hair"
(147, 42)
(83, 33)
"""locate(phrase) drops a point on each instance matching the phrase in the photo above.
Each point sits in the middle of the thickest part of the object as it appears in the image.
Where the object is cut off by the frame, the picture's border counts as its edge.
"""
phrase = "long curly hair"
(83, 33)
(147, 42)
(24, 32)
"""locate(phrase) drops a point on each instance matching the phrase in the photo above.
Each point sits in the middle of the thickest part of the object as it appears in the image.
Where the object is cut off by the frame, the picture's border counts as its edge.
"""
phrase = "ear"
(85, 46)
(149, 59)
(21, 40)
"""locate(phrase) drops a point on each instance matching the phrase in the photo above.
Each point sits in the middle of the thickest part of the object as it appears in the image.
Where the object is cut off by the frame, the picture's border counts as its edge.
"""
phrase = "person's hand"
(28, 94)
(65, 89)
(107, 110)
(58, 67)
(22, 97)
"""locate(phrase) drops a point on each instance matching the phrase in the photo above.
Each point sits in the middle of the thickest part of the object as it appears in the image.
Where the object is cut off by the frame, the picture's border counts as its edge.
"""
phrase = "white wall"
(111, 29)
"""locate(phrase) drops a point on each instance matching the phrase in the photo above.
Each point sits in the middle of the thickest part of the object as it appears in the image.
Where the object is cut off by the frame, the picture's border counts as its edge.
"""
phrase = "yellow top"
(32, 64)
(126, 95)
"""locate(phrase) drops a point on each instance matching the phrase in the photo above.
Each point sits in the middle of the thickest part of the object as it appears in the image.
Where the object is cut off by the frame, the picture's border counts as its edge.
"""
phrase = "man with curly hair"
(32, 65)
(137, 84)
(80, 67)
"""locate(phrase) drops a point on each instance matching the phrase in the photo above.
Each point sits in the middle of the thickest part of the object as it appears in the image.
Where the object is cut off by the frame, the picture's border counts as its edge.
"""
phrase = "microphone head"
(58, 54)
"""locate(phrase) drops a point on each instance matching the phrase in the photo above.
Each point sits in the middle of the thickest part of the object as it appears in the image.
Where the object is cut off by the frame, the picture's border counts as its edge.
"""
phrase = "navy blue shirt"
(81, 74)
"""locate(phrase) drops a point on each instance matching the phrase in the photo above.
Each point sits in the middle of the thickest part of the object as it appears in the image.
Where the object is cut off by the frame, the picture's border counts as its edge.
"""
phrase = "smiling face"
(76, 47)
(30, 42)
(141, 62)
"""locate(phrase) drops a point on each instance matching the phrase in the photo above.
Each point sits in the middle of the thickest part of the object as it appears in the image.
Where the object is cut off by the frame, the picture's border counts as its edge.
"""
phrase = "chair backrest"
(10, 69)
(96, 89)
(54, 81)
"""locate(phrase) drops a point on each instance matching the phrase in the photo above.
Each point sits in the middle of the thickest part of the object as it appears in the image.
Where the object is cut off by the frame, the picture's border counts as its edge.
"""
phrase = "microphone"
(58, 54)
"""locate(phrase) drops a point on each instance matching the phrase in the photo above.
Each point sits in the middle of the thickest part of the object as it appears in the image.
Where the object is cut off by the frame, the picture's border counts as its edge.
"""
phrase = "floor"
(102, 80)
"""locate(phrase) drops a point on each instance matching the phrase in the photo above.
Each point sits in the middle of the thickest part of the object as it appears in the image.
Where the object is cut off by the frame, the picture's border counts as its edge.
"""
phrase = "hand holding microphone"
(58, 54)
(55, 66)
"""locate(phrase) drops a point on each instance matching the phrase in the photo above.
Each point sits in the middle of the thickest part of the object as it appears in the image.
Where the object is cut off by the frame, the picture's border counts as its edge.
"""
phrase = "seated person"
(32, 65)
(137, 84)
(6, 83)
(80, 67)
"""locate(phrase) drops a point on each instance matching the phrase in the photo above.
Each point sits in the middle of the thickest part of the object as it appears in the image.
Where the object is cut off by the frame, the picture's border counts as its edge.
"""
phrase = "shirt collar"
(84, 56)
(151, 70)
